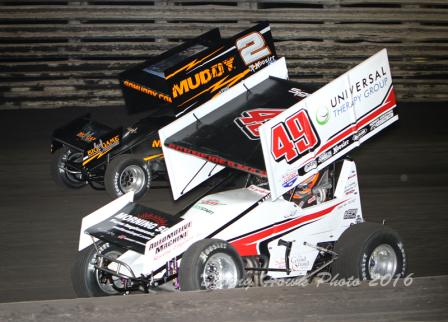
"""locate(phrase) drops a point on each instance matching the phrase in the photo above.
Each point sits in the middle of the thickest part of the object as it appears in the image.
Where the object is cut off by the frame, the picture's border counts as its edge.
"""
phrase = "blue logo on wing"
(289, 182)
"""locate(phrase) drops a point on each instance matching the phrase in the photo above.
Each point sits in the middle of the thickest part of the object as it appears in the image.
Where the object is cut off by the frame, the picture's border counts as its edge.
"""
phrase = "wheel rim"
(104, 283)
(132, 179)
(75, 157)
(382, 262)
(220, 272)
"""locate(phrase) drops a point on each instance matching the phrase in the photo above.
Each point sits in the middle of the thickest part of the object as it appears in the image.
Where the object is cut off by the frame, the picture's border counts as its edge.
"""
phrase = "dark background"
(402, 171)
(68, 53)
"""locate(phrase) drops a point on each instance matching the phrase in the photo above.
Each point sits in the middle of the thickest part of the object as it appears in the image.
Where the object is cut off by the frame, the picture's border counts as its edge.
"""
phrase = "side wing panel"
(187, 171)
(101, 214)
(328, 124)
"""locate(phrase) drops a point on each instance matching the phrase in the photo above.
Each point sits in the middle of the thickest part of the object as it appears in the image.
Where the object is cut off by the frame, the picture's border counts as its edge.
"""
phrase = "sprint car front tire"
(368, 251)
(127, 173)
(210, 264)
(87, 281)
(58, 169)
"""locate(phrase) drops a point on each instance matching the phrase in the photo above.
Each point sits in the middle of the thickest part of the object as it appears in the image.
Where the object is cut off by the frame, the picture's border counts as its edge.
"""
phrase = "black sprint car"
(165, 87)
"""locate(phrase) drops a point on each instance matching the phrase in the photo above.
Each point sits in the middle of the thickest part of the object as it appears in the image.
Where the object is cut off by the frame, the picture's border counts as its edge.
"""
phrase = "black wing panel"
(133, 226)
(229, 135)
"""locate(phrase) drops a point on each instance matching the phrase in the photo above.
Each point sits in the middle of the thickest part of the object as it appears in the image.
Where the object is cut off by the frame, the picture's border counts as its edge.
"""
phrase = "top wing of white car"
(272, 127)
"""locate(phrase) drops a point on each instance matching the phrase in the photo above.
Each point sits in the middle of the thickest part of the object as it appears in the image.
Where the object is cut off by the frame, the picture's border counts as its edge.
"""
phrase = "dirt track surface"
(423, 300)
(403, 180)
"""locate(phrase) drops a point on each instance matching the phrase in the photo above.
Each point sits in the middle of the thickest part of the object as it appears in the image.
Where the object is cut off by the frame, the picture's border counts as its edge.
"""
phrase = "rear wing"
(196, 71)
(286, 145)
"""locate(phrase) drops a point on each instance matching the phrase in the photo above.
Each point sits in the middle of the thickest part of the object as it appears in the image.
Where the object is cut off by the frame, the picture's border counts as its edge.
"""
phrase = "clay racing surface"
(403, 180)
(423, 300)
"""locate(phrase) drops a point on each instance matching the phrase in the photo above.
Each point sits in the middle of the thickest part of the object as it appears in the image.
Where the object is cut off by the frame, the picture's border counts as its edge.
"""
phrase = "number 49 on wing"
(293, 138)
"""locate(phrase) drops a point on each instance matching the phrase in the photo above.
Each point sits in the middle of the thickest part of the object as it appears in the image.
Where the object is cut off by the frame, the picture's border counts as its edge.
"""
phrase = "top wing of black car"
(192, 73)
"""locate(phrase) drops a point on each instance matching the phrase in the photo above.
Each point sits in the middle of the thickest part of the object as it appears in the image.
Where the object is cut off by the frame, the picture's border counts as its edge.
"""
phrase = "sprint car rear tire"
(86, 278)
(126, 173)
(369, 251)
(58, 165)
(210, 264)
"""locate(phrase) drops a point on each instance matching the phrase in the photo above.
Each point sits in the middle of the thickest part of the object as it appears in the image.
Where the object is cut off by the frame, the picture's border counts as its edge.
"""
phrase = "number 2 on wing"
(293, 138)
(252, 47)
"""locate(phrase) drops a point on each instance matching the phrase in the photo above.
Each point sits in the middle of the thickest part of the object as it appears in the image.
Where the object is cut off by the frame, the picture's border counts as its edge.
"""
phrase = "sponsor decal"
(298, 92)
(310, 166)
(289, 179)
(250, 121)
(259, 64)
(101, 148)
(140, 222)
(86, 136)
(203, 77)
(340, 110)
(350, 187)
(105, 146)
(359, 134)
(211, 202)
(324, 157)
(130, 232)
(375, 87)
(149, 216)
(225, 82)
(340, 146)
(206, 252)
(131, 130)
(381, 120)
(259, 190)
(322, 115)
(362, 123)
(147, 91)
(204, 209)
(218, 160)
(156, 144)
(171, 239)
(365, 87)
(311, 200)
(299, 263)
(352, 174)
(350, 213)
(279, 263)
(133, 227)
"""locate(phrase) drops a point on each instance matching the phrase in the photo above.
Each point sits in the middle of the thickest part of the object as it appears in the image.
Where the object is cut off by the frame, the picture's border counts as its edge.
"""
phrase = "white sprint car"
(299, 212)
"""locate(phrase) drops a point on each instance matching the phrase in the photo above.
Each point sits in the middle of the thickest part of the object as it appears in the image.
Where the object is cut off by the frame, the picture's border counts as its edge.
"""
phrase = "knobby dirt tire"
(355, 250)
(200, 254)
(125, 173)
